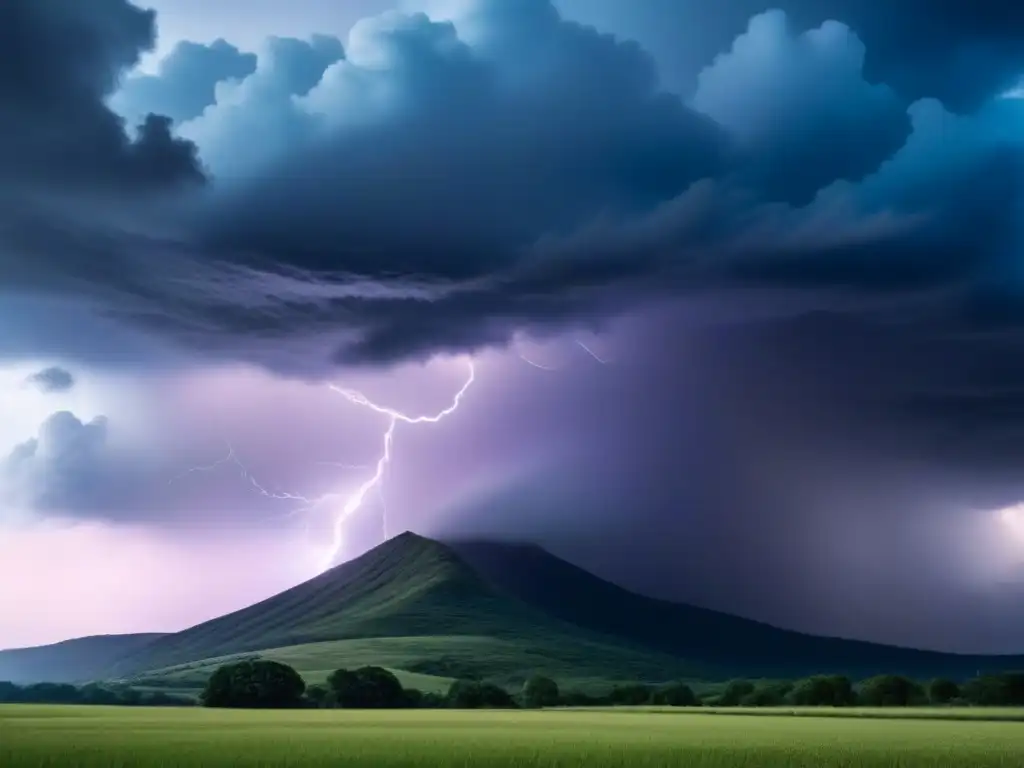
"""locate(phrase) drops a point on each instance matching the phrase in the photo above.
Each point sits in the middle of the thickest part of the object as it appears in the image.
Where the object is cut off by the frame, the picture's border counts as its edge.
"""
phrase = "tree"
(318, 695)
(675, 695)
(734, 693)
(471, 694)
(1002, 690)
(366, 688)
(890, 691)
(630, 695)
(253, 685)
(942, 691)
(540, 691)
(768, 695)
(823, 691)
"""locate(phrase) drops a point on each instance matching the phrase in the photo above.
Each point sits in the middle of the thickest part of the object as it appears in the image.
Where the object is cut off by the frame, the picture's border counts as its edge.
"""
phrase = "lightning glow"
(350, 503)
(355, 500)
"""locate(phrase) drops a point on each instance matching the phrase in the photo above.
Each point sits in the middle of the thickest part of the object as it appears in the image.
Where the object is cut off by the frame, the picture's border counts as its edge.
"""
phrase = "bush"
(630, 695)
(471, 694)
(768, 695)
(942, 691)
(318, 695)
(823, 691)
(540, 691)
(581, 699)
(254, 685)
(1003, 690)
(890, 691)
(734, 693)
(366, 688)
(675, 695)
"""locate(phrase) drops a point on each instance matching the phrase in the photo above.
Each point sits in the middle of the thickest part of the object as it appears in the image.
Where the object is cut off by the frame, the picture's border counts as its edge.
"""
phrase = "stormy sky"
(741, 293)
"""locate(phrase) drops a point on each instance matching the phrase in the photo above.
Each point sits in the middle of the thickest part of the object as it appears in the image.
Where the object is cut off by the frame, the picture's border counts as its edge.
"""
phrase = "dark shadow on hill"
(735, 646)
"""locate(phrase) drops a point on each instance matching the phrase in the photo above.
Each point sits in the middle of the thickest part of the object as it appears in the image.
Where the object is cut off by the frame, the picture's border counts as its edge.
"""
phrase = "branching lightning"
(353, 501)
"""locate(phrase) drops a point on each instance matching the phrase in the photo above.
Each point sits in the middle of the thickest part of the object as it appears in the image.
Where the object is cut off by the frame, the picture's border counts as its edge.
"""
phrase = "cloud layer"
(456, 174)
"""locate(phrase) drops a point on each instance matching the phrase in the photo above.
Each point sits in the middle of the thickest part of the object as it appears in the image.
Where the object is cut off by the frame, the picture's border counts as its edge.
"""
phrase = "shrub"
(540, 691)
(254, 684)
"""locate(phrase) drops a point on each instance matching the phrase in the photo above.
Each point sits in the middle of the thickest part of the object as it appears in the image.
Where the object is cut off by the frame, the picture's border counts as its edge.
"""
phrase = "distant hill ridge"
(83, 658)
(537, 610)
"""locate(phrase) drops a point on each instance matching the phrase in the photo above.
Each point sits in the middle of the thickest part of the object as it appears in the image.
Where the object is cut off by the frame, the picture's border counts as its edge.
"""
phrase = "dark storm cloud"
(800, 107)
(490, 167)
(185, 82)
(58, 61)
(52, 379)
(962, 53)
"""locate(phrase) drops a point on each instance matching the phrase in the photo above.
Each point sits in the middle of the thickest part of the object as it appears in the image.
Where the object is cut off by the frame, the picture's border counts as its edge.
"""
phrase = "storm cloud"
(960, 53)
(451, 176)
(58, 62)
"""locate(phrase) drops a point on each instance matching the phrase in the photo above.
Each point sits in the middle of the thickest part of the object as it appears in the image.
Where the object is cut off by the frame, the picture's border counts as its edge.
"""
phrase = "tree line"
(259, 683)
(270, 684)
(93, 693)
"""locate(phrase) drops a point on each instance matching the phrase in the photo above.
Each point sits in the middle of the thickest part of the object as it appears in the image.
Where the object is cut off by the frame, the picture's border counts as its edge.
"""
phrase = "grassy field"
(94, 737)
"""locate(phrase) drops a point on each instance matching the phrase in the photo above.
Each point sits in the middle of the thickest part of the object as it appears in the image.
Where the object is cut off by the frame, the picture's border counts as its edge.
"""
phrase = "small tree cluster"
(254, 685)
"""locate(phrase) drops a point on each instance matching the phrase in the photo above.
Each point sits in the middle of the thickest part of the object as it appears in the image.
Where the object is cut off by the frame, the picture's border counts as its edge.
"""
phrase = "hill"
(735, 646)
(70, 661)
(416, 602)
(434, 612)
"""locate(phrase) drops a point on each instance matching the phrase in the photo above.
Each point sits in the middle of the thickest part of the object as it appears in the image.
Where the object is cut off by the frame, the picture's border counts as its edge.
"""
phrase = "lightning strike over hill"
(355, 500)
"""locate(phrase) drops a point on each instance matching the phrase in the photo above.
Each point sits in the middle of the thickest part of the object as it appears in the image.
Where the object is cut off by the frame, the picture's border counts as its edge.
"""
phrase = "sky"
(726, 308)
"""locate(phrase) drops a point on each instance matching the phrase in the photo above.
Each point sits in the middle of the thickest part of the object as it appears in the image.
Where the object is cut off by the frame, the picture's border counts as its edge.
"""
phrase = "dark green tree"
(1002, 690)
(823, 691)
(773, 694)
(890, 691)
(472, 694)
(734, 693)
(318, 695)
(254, 685)
(630, 695)
(366, 688)
(942, 691)
(675, 695)
(540, 691)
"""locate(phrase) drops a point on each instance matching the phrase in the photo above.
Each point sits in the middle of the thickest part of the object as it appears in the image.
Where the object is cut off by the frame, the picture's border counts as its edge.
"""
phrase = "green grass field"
(95, 737)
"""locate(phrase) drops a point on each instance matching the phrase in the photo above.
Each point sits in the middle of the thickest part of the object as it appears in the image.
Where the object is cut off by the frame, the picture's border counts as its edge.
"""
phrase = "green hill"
(71, 661)
(435, 612)
(420, 608)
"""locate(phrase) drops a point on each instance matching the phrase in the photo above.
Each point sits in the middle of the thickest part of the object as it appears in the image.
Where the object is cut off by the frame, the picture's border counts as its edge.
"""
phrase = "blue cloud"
(800, 108)
(185, 82)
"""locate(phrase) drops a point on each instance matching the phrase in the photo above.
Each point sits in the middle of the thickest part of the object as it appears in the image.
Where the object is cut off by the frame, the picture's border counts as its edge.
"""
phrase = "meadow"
(99, 737)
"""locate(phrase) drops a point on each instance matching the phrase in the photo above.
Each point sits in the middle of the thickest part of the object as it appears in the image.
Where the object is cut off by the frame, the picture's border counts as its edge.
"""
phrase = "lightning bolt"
(528, 361)
(592, 353)
(355, 500)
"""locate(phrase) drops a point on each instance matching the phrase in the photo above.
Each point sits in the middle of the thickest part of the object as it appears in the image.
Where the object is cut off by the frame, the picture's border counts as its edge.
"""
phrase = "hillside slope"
(70, 661)
(735, 646)
(409, 587)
